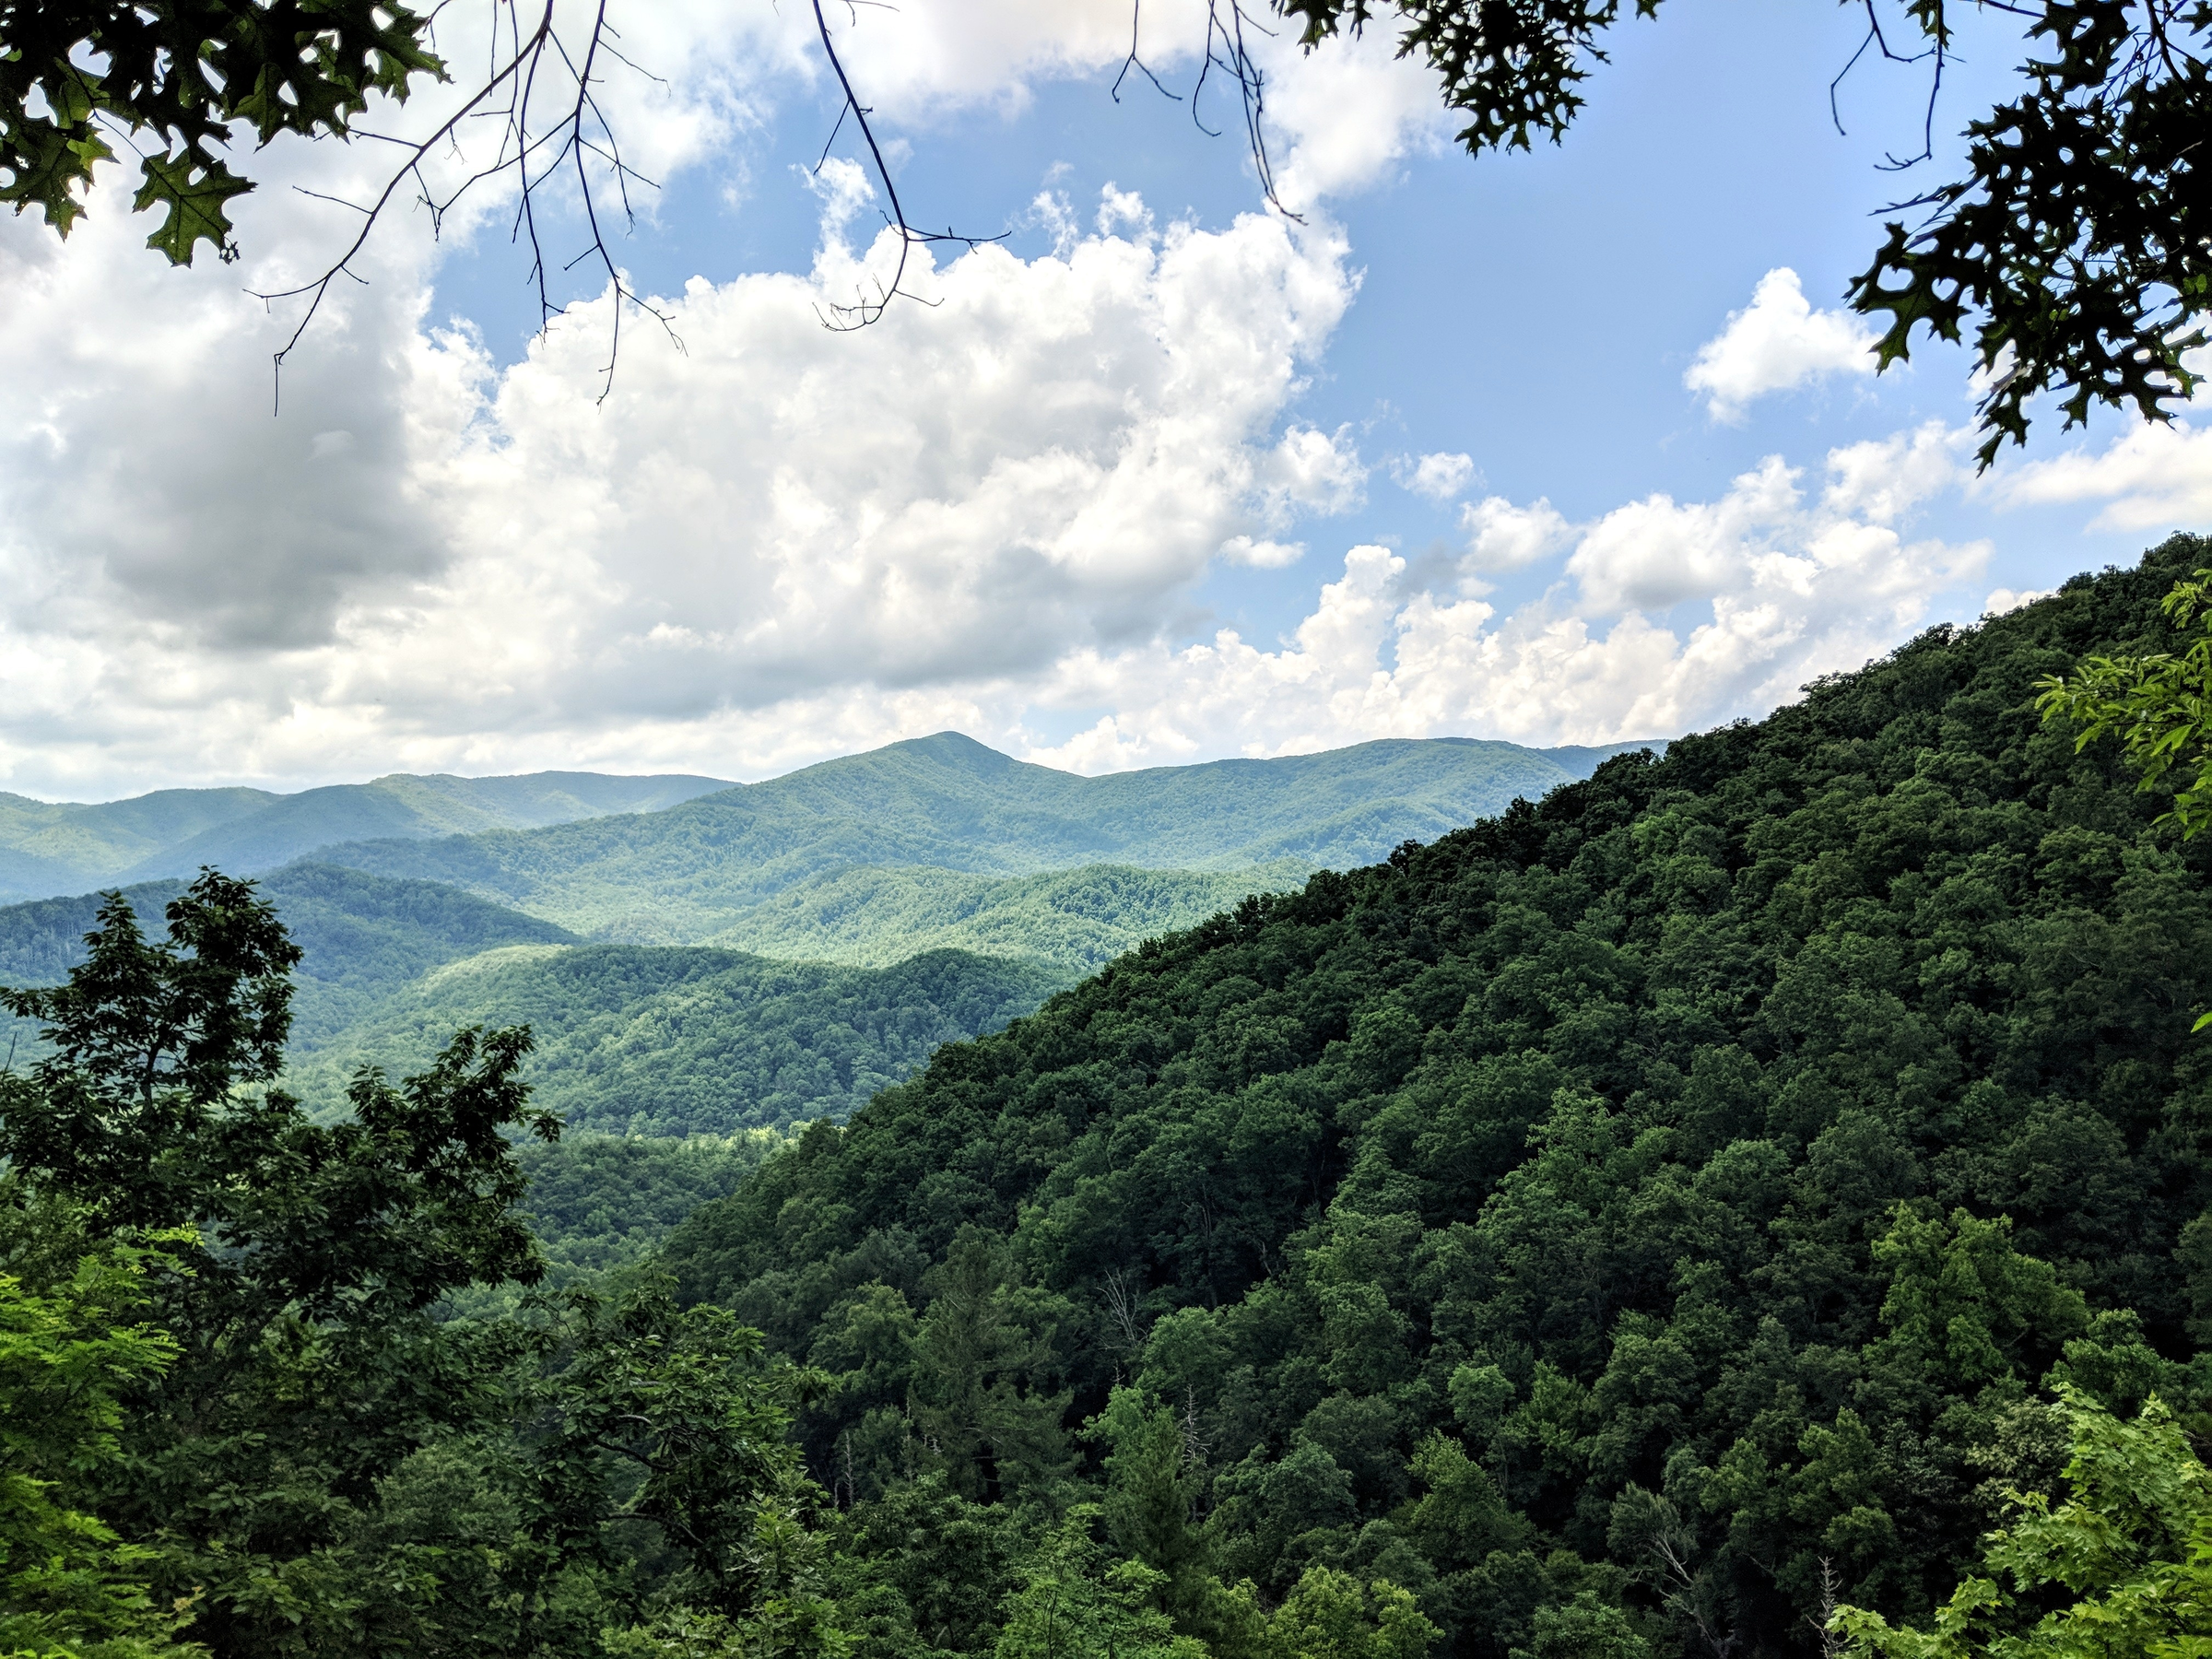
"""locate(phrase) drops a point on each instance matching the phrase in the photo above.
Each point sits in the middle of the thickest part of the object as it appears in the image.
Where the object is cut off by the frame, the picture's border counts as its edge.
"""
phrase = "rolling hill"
(66, 847)
(701, 870)
(630, 1038)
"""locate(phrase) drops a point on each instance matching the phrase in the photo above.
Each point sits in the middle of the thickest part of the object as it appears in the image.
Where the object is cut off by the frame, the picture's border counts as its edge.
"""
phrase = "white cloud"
(1501, 536)
(2002, 600)
(2151, 478)
(1044, 460)
(1884, 478)
(1440, 477)
(773, 543)
(1318, 470)
(1782, 592)
(1261, 555)
(1775, 344)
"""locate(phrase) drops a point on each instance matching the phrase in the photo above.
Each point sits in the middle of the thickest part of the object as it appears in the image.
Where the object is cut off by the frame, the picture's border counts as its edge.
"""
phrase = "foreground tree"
(296, 1450)
(2121, 1565)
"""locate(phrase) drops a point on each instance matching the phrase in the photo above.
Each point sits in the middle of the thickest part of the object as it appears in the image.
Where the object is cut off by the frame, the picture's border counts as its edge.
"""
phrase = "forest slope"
(650, 1041)
(1073, 920)
(679, 1041)
(1719, 1153)
(691, 874)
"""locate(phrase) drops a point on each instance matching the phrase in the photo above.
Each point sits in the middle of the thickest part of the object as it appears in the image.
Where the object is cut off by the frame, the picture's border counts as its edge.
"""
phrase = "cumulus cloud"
(1440, 477)
(1502, 536)
(1783, 590)
(770, 544)
(2150, 478)
(1043, 460)
(1777, 343)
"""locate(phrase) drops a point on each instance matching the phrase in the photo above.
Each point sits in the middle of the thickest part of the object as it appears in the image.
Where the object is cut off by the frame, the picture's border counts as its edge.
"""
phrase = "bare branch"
(524, 67)
(843, 319)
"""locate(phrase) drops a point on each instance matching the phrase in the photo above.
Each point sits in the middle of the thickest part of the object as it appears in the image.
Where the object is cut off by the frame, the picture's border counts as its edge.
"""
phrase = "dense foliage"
(1072, 921)
(2160, 706)
(74, 72)
(637, 1041)
(659, 1041)
(2121, 1563)
(1630, 1225)
(598, 1202)
(233, 1416)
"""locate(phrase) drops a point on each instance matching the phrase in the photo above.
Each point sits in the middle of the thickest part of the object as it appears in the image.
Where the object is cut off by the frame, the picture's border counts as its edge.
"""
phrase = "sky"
(1570, 447)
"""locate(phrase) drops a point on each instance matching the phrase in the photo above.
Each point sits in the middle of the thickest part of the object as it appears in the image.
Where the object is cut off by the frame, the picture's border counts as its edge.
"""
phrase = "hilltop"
(1730, 1152)
(64, 847)
(697, 872)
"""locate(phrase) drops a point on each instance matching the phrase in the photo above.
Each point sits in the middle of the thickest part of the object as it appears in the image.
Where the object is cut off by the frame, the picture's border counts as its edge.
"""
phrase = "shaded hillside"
(361, 936)
(948, 803)
(635, 1040)
(47, 847)
(1073, 920)
(641, 1039)
(1720, 1154)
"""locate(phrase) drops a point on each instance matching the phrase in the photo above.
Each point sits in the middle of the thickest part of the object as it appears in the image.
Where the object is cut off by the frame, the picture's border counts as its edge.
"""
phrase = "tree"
(75, 72)
(302, 1454)
(1075, 1604)
(2122, 1565)
(2158, 705)
(68, 1584)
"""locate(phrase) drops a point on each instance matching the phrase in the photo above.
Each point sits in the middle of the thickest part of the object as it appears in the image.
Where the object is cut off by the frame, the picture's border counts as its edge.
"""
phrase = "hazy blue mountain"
(49, 847)
(693, 872)
(59, 847)
(361, 936)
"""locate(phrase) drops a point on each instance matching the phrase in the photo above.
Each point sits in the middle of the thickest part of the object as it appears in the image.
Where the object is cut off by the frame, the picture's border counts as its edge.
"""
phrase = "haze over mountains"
(696, 873)
(59, 847)
(696, 956)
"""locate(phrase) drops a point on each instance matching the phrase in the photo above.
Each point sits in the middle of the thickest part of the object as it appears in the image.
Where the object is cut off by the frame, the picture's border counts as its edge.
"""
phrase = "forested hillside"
(1073, 920)
(679, 1041)
(634, 1040)
(696, 874)
(1632, 1224)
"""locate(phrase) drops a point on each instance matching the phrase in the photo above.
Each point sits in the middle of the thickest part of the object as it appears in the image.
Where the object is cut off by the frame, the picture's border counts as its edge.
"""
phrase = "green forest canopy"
(1630, 1228)
(1722, 1153)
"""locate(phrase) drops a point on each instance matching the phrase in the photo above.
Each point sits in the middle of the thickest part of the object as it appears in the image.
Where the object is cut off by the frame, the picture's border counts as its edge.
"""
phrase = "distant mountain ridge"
(49, 848)
(693, 872)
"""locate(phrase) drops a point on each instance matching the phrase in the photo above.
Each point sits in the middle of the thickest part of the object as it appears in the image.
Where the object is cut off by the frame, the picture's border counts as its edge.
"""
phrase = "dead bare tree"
(1690, 1593)
(1823, 1615)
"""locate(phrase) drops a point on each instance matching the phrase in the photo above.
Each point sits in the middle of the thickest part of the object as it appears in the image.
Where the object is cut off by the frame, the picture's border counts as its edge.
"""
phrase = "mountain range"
(50, 847)
(695, 956)
(698, 872)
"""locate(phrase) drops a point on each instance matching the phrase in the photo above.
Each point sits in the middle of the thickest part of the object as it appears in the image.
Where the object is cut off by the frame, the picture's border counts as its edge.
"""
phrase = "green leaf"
(195, 191)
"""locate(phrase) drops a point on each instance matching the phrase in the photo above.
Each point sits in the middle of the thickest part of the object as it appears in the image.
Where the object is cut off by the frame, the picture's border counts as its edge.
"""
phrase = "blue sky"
(1031, 513)
(1535, 311)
